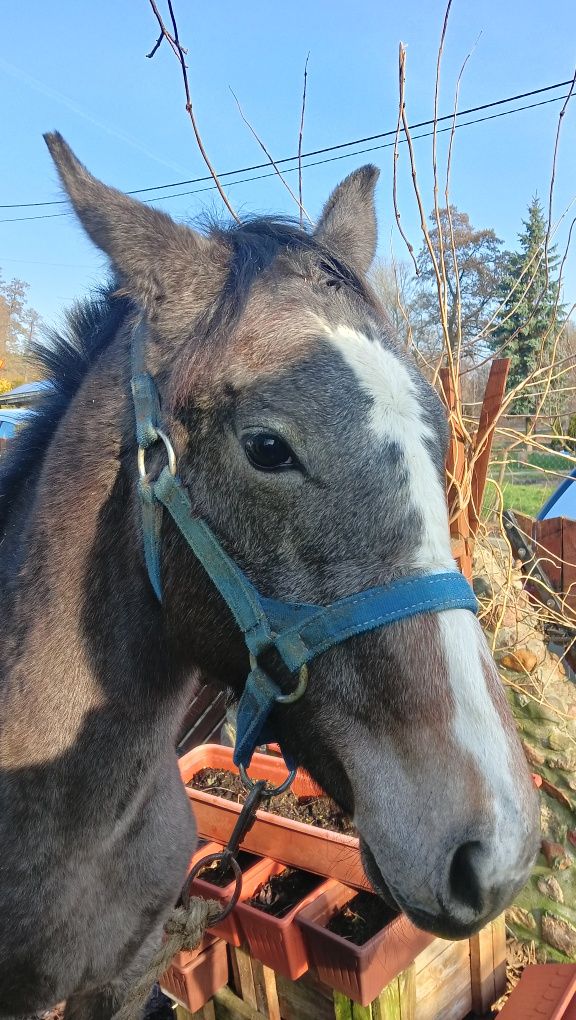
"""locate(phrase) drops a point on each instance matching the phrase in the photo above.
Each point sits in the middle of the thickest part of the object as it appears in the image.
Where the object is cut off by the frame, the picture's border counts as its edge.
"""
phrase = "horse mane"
(64, 358)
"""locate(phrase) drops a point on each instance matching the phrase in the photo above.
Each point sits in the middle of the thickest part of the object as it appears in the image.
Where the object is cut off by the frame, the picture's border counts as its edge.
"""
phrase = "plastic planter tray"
(253, 876)
(359, 972)
(545, 992)
(308, 847)
(186, 956)
(276, 941)
(195, 983)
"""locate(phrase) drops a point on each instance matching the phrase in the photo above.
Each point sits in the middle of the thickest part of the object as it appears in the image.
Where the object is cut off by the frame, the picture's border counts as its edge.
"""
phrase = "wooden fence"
(551, 545)
(465, 513)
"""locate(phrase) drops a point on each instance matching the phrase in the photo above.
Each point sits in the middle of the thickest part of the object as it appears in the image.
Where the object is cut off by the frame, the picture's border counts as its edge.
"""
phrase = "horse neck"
(83, 634)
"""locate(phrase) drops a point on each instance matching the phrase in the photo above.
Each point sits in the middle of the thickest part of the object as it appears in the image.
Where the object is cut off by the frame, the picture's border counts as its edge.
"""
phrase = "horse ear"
(151, 253)
(348, 220)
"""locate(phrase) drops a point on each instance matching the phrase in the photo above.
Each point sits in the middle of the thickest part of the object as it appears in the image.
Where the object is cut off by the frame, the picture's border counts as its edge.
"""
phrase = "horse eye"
(268, 452)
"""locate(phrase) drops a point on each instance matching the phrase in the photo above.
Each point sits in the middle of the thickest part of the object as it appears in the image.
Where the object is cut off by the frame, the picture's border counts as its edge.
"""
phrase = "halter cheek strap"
(297, 631)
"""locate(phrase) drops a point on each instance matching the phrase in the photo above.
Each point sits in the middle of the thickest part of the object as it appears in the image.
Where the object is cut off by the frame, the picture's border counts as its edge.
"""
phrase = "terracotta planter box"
(252, 873)
(307, 847)
(303, 785)
(186, 956)
(359, 972)
(195, 983)
(545, 992)
(276, 941)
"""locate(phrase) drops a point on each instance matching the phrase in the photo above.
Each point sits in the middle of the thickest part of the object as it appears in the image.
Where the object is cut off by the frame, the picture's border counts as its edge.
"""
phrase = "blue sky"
(81, 68)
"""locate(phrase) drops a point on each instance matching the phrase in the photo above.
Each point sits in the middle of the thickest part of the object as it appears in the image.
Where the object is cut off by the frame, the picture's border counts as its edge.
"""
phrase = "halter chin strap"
(297, 631)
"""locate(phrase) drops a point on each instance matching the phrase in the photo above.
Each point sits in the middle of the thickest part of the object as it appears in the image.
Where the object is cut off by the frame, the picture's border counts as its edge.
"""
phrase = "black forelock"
(256, 243)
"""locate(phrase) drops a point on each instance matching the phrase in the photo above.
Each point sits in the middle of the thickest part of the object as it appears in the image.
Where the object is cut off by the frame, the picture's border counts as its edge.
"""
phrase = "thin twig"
(270, 157)
(174, 41)
(156, 46)
(444, 281)
(401, 89)
(553, 171)
(300, 137)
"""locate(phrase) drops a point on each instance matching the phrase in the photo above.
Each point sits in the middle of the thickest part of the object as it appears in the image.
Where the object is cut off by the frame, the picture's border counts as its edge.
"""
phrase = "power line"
(314, 152)
(331, 148)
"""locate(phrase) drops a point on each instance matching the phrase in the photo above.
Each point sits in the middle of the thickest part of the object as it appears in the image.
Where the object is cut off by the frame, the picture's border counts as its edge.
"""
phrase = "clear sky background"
(80, 67)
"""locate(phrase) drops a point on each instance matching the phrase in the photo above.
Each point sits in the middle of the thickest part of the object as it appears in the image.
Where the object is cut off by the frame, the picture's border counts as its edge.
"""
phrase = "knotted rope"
(184, 929)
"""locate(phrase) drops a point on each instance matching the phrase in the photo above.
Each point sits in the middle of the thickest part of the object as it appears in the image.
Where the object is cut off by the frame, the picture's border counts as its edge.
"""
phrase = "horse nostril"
(464, 883)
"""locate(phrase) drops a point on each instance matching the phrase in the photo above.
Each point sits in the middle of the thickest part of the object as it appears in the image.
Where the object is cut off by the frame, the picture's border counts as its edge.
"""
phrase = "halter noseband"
(297, 631)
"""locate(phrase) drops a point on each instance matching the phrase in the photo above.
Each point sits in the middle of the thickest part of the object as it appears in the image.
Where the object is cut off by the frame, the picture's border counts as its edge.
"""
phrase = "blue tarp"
(29, 388)
(10, 418)
(562, 502)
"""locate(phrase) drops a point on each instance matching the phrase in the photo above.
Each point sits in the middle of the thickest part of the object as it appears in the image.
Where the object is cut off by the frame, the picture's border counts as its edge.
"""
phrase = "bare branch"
(401, 88)
(156, 46)
(272, 162)
(553, 171)
(174, 41)
(300, 137)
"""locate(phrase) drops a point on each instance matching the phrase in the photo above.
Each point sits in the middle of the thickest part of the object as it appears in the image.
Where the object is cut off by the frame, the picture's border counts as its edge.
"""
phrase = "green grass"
(527, 485)
(526, 499)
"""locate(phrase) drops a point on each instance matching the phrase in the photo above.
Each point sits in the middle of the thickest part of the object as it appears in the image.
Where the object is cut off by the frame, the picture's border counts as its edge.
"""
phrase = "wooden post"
(206, 1013)
(455, 469)
(398, 1000)
(488, 965)
(345, 1009)
(493, 397)
(228, 1006)
(243, 976)
(266, 991)
(255, 983)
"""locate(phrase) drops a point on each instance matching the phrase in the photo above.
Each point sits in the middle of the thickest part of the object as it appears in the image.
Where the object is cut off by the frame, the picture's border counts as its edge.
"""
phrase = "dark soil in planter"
(361, 918)
(282, 892)
(319, 811)
(220, 875)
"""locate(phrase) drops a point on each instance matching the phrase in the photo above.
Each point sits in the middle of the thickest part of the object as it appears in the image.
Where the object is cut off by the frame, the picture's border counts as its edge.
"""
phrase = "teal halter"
(297, 631)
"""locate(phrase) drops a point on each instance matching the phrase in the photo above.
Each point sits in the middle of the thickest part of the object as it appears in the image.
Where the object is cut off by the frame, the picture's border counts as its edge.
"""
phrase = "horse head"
(313, 447)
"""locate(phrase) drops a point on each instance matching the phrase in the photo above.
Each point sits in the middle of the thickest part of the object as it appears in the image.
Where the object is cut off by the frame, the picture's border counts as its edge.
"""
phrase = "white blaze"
(396, 416)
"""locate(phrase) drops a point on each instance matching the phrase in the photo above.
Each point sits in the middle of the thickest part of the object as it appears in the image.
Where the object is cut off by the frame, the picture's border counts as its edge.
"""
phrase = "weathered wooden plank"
(266, 991)
(342, 1007)
(432, 952)
(398, 1000)
(228, 1006)
(206, 1013)
(547, 537)
(569, 565)
(243, 975)
(304, 998)
(449, 1003)
(491, 404)
(481, 971)
(448, 970)
(455, 473)
(443, 984)
(205, 714)
(499, 955)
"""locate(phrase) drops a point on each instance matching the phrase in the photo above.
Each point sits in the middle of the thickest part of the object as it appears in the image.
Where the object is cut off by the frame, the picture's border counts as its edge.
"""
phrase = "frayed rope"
(184, 929)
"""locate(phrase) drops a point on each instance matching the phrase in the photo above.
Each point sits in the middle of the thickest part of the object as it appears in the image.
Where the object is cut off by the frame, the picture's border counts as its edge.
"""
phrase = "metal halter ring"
(299, 690)
(289, 699)
(226, 858)
(169, 450)
(269, 791)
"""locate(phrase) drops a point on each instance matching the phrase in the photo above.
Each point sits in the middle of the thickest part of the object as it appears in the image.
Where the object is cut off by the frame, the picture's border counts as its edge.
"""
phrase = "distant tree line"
(20, 326)
(497, 302)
